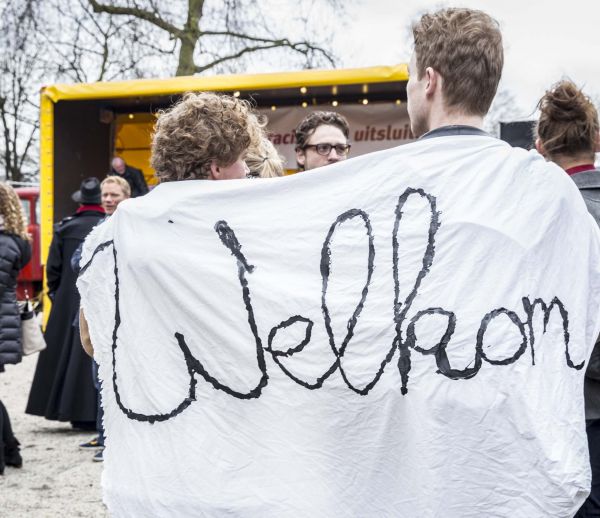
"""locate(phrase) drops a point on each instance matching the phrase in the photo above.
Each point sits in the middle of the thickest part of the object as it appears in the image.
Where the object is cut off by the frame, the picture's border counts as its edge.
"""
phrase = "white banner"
(373, 127)
(403, 334)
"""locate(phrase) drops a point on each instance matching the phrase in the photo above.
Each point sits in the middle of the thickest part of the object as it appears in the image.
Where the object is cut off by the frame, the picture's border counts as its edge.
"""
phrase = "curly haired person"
(15, 253)
(204, 137)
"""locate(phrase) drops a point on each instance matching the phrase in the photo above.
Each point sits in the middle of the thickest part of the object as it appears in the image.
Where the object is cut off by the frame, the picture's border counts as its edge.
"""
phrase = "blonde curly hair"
(263, 160)
(11, 212)
(198, 129)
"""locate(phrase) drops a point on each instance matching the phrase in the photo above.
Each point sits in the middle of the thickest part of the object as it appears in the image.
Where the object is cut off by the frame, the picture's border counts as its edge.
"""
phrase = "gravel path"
(57, 479)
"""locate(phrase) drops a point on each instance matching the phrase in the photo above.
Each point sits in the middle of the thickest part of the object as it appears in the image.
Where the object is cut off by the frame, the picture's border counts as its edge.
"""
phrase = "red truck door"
(30, 278)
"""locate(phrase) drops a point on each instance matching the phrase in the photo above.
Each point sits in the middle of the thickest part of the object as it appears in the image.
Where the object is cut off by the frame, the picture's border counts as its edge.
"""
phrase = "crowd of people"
(207, 136)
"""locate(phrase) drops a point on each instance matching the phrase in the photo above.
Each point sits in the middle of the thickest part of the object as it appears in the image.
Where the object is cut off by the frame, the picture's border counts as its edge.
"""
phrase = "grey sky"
(543, 40)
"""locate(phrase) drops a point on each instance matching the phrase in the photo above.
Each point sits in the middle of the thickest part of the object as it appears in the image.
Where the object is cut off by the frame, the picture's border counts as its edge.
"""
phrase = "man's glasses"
(325, 149)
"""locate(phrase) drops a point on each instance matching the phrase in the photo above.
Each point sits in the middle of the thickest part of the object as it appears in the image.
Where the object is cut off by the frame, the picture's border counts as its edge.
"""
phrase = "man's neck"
(440, 120)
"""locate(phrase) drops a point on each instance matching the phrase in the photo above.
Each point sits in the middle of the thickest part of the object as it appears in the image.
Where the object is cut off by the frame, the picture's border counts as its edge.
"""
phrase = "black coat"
(588, 183)
(62, 387)
(135, 179)
(15, 253)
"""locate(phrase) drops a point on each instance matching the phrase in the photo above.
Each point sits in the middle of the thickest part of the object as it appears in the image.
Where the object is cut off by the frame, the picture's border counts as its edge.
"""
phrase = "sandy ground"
(57, 479)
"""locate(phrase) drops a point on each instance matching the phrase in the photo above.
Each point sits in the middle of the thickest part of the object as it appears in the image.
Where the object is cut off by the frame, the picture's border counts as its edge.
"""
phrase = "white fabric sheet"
(362, 340)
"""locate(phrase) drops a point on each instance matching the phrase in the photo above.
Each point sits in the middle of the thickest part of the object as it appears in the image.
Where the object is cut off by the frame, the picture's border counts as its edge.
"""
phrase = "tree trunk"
(186, 66)
(189, 38)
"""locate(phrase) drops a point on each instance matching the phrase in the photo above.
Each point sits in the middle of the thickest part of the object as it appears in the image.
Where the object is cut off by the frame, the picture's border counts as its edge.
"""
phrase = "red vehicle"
(31, 277)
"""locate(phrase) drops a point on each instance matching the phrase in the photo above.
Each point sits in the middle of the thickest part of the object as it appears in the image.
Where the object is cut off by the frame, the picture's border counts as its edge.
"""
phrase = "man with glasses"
(321, 139)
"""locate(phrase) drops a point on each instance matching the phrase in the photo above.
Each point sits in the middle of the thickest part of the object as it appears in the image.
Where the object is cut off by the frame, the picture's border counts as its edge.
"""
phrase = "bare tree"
(20, 63)
(86, 47)
(51, 41)
(211, 34)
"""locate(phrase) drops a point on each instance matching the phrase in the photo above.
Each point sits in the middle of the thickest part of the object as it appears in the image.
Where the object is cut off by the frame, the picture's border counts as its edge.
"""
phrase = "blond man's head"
(114, 190)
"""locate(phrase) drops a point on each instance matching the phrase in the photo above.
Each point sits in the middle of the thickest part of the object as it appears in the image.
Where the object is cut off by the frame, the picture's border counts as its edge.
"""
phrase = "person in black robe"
(62, 387)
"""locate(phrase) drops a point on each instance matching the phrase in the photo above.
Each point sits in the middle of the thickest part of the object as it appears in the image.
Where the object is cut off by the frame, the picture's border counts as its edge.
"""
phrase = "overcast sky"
(544, 40)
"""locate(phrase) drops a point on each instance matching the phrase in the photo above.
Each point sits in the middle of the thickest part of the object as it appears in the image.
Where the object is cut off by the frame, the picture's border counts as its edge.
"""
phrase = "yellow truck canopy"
(83, 125)
(226, 83)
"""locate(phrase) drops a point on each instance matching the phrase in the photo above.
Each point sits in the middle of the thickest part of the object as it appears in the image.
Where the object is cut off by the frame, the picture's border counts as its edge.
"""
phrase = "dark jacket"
(62, 387)
(588, 183)
(15, 253)
(135, 179)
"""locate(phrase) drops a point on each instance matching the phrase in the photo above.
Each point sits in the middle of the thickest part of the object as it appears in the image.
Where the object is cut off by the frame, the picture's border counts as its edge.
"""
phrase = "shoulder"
(588, 180)
(83, 217)
(11, 246)
(63, 222)
(588, 184)
(11, 240)
(78, 225)
(24, 248)
(8, 240)
(84, 222)
(98, 236)
(21, 243)
(135, 171)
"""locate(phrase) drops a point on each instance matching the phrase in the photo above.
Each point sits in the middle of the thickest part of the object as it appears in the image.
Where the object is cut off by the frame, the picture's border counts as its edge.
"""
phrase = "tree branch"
(272, 45)
(303, 47)
(25, 154)
(141, 14)
(242, 36)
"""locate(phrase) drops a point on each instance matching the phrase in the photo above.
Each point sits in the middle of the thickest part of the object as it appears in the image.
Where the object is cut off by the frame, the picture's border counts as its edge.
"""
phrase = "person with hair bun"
(263, 160)
(568, 134)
